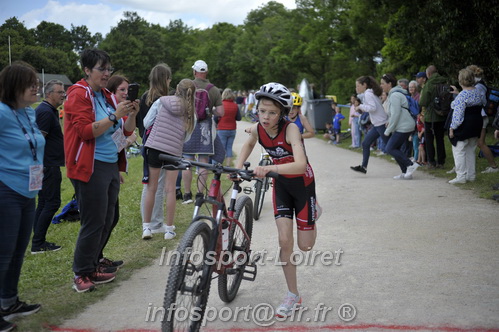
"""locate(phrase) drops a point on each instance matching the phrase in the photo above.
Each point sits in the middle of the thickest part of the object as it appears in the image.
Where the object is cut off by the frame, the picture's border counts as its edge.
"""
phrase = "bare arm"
(100, 127)
(220, 111)
(247, 146)
(309, 131)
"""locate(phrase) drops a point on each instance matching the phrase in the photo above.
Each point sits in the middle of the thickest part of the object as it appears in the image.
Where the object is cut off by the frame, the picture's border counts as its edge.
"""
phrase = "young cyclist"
(294, 190)
(298, 118)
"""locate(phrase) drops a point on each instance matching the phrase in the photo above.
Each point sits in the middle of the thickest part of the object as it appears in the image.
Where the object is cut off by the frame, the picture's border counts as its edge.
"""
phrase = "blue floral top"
(465, 98)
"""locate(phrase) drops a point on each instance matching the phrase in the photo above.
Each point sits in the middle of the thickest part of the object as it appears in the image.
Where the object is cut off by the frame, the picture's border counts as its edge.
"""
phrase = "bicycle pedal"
(231, 271)
(247, 190)
(250, 272)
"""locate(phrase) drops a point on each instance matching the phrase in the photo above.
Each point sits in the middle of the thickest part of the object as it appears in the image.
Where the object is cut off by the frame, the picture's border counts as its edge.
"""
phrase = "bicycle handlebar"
(178, 163)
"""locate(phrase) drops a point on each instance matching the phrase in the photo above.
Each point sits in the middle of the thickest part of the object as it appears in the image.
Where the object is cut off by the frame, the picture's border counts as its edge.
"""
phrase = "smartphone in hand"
(133, 91)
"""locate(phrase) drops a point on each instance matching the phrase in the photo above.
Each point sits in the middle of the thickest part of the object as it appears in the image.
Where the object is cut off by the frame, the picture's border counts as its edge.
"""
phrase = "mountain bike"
(219, 243)
(260, 187)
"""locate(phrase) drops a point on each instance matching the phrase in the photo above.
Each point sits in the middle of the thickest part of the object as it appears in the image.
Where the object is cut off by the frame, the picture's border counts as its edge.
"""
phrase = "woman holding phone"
(119, 86)
(94, 140)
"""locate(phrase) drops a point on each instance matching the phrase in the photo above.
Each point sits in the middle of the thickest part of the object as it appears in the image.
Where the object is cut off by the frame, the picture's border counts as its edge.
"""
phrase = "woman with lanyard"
(21, 174)
(299, 119)
(94, 141)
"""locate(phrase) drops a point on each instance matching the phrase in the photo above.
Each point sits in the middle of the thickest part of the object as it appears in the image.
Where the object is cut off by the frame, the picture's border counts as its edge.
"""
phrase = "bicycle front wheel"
(238, 250)
(260, 190)
(189, 281)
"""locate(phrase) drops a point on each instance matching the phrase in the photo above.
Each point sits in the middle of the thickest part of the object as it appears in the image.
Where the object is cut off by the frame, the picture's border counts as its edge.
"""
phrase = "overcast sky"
(100, 16)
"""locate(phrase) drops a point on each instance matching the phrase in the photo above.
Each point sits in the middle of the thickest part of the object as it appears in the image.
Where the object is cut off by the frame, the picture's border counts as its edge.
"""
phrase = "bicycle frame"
(220, 214)
(215, 198)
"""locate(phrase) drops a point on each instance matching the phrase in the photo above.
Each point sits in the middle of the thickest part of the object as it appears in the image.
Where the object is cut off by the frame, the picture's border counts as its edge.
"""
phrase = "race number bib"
(119, 140)
(35, 177)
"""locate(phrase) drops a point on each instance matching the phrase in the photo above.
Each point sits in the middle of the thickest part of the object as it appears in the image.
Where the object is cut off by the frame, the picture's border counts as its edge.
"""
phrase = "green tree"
(357, 41)
(135, 46)
(20, 37)
(257, 57)
(180, 44)
(52, 35)
(451, 35)
(215, 46)
(83, 39)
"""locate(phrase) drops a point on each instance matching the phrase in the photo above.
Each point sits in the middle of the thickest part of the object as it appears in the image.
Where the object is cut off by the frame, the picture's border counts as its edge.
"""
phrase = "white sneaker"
(411, 169)
(161, 229)
(457, 180)
(400, 177)
(491, 170)
(170, 232)
(290, 303)
(146, 234)
(452, 171)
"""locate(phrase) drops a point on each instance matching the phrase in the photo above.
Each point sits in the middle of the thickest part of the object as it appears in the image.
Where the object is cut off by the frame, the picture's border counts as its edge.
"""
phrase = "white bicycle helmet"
(277, 92)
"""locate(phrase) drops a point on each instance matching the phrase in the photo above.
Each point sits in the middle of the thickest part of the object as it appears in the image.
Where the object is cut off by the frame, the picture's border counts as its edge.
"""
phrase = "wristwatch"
(112, 117)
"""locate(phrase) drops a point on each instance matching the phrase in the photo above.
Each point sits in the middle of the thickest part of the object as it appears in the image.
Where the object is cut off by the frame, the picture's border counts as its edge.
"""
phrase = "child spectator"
(337, 124)
(420, 131)
(329, 135)
(354, 122)
(174, 120)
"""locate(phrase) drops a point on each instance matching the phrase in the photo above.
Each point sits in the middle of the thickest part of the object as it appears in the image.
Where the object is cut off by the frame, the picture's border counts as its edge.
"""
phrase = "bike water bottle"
(225, 235)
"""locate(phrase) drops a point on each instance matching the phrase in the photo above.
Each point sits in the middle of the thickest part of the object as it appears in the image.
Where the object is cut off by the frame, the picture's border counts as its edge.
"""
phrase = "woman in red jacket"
(94, 141)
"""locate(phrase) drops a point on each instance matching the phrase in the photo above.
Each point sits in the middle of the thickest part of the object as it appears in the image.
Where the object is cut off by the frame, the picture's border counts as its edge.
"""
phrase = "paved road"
(418, 255)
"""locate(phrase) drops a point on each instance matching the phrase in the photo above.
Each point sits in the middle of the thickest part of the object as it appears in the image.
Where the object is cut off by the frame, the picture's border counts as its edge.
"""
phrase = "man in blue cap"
(421, 79)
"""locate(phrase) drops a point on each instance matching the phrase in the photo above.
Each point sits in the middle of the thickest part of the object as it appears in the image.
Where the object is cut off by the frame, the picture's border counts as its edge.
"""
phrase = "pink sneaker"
(83, 284)
(101, 278)
(290, 303)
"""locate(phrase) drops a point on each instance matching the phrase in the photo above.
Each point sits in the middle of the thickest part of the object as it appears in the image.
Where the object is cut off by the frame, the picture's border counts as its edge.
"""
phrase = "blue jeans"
(394, 148)
(415, 145)
(371, 136)
(227, 137)
(16, 223)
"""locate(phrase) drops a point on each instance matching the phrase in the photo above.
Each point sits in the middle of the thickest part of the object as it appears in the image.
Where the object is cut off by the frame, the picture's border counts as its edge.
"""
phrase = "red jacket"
(228, 121)
(79, 141)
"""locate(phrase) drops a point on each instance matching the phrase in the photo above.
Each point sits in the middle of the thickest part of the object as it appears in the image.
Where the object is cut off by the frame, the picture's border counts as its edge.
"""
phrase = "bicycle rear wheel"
(185, 297)
(238, 249)
(261, 188)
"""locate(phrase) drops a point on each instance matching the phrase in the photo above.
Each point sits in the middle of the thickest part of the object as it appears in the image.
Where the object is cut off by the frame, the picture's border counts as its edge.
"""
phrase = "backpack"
(492, 103)
(413, 107)
(443, 99)
(203, 102)
(69, 212)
